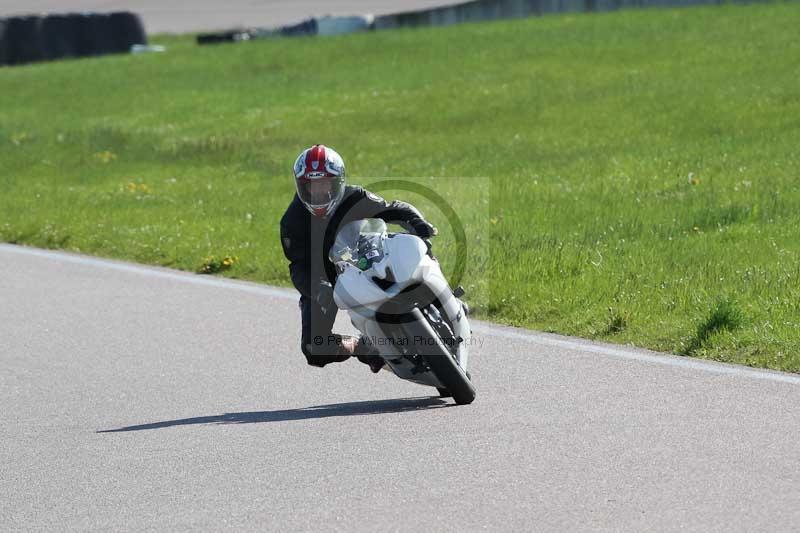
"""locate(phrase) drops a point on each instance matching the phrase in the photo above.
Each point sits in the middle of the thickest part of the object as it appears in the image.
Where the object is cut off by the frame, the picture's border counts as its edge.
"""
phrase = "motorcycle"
(398, 298)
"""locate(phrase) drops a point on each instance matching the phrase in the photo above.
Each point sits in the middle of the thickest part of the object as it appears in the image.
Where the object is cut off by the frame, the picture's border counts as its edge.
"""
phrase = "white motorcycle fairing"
(404, 264)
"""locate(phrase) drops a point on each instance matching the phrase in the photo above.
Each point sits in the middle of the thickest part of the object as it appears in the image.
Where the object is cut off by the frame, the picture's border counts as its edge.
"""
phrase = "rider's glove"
(429, 245)
(423, 229)
(324, 296)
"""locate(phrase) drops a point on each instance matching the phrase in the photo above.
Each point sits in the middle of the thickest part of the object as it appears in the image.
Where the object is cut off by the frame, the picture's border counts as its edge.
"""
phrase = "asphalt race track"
(136, 398)
(195, 15)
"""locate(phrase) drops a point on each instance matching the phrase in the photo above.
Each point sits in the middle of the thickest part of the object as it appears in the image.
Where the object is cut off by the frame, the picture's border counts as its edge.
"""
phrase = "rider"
(323, 204)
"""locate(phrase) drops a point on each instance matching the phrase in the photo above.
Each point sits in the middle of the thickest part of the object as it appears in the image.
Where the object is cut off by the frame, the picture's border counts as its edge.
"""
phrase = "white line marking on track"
(633, 354)
(153, 271)
(581, 345)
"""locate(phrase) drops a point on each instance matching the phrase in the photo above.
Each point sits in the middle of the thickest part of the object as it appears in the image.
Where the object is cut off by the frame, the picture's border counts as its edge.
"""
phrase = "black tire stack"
(22, 40)
(30, 39)
(2, 42)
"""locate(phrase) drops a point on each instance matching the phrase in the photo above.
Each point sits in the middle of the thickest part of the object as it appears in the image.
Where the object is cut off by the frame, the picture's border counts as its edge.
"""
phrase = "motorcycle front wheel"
(440, 360)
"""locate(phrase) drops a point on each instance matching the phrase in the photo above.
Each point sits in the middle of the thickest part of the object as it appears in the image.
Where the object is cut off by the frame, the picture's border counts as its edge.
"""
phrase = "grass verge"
(640, 165)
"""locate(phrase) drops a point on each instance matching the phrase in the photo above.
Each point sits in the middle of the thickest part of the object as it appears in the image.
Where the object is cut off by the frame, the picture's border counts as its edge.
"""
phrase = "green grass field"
(630, 176)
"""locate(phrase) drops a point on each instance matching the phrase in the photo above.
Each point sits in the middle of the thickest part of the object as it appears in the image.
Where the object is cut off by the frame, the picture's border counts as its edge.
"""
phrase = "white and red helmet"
(319, 176)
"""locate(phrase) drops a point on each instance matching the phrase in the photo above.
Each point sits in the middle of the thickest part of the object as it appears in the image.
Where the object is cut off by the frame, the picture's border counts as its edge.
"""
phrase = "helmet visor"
(319, 192)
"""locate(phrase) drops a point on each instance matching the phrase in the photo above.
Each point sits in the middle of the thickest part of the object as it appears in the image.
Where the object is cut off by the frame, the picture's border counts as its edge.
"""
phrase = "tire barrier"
(23, 40)
(306, 27)
(59, 37)
(313, 26)
(2, 42)
(483, 10)
(128, 30)
(467, 11)
(30, 39)
(93, 34)
(224, 37)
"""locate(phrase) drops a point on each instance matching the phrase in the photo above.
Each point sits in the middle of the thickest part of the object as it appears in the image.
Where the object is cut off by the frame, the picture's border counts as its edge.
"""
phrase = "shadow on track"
(304, 413)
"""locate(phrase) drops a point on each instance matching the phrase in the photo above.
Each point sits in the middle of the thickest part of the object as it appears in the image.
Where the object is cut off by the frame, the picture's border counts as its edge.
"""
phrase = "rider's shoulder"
(354, 190)
(361, 193)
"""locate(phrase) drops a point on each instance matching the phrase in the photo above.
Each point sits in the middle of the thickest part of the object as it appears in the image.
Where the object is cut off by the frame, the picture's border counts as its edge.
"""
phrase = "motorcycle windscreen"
(345, 247)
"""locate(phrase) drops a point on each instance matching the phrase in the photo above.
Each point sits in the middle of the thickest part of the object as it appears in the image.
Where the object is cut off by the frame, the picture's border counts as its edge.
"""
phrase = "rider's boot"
(346, 348)
(367, 354)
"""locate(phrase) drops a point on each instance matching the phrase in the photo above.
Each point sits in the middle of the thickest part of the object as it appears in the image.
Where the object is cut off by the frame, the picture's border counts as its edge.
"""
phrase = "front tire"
(451, 375)
(440, 360)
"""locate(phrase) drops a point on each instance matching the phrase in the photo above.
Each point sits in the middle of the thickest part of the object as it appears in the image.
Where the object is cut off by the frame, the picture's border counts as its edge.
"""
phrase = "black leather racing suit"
(306, 240)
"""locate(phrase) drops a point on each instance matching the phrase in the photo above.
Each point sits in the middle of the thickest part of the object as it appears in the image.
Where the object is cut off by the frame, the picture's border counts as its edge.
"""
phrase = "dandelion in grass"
(212, 265)
(141, 188)
(105, 157)
(19, 138)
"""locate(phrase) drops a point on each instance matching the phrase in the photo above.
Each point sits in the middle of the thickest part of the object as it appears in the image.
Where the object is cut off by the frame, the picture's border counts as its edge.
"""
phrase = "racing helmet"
(319, 177)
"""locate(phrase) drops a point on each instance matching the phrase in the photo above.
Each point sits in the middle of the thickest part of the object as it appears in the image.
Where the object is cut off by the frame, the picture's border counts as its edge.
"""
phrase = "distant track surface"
(170, 16)
(137, 398)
